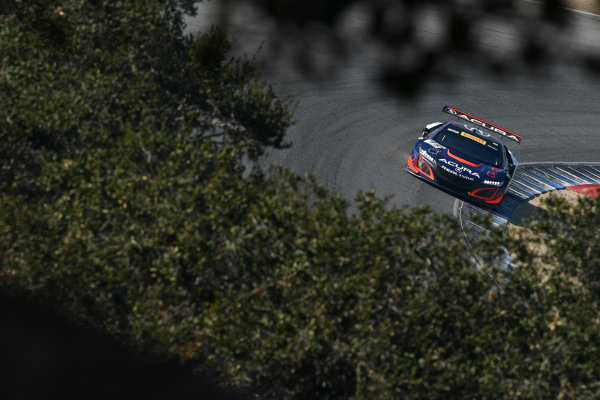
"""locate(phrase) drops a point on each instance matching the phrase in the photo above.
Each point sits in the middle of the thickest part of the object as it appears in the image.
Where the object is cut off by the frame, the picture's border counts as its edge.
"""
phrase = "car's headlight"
(422, 165)
(493, 183)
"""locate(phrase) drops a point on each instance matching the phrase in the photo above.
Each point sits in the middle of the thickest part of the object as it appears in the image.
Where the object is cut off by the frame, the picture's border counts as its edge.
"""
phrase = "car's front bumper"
(491, 195)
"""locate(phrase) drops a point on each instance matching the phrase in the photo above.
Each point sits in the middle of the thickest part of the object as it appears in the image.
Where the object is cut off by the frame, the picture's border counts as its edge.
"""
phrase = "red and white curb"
(531, 180)
(589, 190)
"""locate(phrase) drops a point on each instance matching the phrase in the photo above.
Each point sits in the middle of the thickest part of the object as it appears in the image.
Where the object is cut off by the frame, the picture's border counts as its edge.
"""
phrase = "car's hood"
(460, 164)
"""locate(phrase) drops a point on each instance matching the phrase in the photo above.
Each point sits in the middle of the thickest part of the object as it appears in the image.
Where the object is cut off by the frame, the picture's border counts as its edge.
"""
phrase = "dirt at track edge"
(591, 6)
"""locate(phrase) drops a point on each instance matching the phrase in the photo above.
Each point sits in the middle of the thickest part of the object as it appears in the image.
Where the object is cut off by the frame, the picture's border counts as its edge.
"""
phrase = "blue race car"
(464, 159)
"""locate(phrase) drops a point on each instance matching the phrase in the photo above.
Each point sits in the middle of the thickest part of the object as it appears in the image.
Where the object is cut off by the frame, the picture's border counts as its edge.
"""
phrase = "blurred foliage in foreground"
(411, 42)
(124, 201)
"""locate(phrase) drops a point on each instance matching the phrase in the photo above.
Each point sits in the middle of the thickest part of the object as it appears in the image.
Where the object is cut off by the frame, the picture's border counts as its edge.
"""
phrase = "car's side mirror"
(509, 157)
(430, 128)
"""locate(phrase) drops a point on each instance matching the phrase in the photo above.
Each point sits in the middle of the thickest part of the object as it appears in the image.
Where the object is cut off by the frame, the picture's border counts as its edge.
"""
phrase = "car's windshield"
(480, 148)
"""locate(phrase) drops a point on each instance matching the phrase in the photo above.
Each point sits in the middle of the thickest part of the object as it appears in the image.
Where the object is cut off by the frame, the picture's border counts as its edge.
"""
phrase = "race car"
(464, 159)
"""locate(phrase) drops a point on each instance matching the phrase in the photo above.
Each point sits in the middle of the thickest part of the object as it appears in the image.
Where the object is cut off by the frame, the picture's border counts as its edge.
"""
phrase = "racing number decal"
(475, 138)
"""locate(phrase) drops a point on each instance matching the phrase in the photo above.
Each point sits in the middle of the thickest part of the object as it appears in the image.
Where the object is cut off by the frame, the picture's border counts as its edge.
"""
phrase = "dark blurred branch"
(420, 39)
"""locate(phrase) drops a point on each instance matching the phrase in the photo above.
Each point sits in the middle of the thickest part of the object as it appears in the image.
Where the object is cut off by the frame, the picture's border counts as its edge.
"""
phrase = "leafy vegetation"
(124, 199)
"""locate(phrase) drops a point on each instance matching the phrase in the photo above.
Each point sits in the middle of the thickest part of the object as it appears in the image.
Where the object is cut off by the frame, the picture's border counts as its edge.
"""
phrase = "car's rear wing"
(484, 124)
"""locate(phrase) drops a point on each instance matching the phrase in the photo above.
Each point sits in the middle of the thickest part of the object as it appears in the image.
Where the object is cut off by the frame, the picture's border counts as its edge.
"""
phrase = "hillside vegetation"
(126, 201)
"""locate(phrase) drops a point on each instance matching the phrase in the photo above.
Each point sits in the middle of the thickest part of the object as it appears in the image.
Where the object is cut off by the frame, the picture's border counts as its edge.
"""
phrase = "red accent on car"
(462, 160)
(413, 164)
(496, 201)
(491, 174)
(429, 172)
(485, 193)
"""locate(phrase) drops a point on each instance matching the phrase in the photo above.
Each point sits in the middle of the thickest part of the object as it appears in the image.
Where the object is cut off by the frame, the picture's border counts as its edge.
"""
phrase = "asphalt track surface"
(353, 135)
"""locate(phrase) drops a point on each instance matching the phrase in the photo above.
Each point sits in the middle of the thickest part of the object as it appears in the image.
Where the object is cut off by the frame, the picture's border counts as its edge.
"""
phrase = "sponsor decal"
(427, 156)
(482, 123)
(491, 174)
(473, 137)
(456, 173)
(460, 169)
(496, 169)
(434, 152)
(434, 144)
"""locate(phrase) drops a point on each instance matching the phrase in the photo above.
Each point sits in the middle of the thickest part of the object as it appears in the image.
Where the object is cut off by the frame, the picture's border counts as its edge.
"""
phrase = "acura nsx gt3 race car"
(464, 159)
